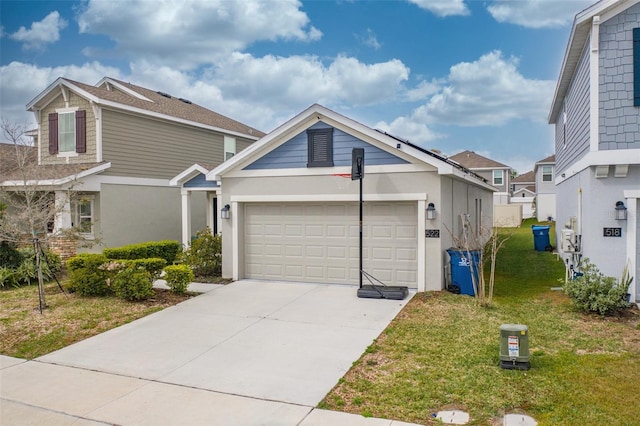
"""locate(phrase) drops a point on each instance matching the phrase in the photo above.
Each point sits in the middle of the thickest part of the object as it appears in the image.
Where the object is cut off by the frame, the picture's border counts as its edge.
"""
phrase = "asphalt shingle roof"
(471, 160)
(171, 106)
(525, 178)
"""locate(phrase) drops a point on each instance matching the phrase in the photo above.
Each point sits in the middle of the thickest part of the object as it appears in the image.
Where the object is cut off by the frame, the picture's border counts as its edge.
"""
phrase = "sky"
(449, 75)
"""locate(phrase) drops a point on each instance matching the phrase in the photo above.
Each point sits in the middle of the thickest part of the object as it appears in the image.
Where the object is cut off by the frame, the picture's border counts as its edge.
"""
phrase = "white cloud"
(262, 92)
(443, 7)
(423, 90)
(41, 33)
(186, 34)
(488, 92)
(409, 129)
(537, 13)
(20, 83)
(370, 39)
(300, 80)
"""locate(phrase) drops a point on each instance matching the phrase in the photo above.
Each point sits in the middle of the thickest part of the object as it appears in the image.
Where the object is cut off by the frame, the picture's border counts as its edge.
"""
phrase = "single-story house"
(291, 210)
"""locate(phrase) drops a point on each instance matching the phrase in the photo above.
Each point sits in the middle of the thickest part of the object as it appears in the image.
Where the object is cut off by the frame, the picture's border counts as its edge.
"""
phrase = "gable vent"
(166, 95)
(186, 101)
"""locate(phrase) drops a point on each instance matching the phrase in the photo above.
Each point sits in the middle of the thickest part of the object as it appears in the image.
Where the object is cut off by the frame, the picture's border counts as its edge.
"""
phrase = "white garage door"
(319, 242)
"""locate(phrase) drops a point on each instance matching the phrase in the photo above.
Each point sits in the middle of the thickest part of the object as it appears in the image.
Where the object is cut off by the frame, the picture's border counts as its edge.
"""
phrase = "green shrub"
(594, 292)
(133, 284)
(86, 260)
(87, 276)
(178, 278)
(153, 266)
(7, 278)
(167, 250)
(204, 254)
(10, 257)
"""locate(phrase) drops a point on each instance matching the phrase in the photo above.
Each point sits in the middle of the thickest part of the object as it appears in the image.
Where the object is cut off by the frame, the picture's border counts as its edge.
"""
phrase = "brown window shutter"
(53, 133)
(81, 131)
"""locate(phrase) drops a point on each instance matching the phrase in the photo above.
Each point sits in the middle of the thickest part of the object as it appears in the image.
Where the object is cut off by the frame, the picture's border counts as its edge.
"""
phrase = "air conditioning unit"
(568, 242)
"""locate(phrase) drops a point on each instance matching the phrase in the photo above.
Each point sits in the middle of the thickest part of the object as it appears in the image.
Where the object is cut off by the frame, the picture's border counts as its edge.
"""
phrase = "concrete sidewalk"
(246, 353)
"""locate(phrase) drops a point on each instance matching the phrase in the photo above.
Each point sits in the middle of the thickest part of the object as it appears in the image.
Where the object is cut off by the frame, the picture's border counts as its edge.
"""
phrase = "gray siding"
(619, 119)
(200, 181)
(293, 154)
(133, 214)
(140, 146)
(543, 187)
(572, 138)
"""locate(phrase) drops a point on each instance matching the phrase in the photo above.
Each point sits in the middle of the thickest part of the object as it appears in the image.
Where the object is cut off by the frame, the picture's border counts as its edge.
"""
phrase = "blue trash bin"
(540, 237)
(461, 269)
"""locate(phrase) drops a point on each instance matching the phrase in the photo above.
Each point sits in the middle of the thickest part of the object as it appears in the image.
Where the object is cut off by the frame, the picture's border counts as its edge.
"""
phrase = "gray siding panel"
(619, 119)
(293, 154)
(140, 146)
(572, 138)
(200, 182)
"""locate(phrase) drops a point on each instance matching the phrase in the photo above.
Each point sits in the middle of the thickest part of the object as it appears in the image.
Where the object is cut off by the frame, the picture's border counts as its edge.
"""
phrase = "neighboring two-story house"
(545, 189)
(107, 153)
(596, 115)
(523, 192)
(497, 174)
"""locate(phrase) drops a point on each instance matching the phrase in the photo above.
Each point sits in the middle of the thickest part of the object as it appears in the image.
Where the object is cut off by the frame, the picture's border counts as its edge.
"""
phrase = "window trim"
(73, 152)
(311, 141)
(493, 175)
(230, 147)
(77, 217)
(549, 174)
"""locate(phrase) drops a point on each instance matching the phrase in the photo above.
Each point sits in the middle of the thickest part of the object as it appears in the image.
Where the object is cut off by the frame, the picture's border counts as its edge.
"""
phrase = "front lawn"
(68, 318)
(442, 352)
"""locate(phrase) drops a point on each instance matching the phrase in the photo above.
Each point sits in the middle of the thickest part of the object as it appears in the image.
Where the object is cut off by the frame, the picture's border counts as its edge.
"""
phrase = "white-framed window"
(83, 209)
(498, 177)
(67, 131)
(547, 173)
(229, 147)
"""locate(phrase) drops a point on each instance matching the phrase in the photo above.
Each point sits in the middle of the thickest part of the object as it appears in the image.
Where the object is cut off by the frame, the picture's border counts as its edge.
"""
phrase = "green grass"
(27, 333)
(442, 352)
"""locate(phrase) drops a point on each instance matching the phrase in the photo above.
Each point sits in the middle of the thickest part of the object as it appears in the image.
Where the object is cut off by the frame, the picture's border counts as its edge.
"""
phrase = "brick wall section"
(619, 119)
(63, 247)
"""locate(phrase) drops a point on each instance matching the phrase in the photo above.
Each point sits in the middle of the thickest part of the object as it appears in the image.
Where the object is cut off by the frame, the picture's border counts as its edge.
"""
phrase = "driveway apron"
(275, 341)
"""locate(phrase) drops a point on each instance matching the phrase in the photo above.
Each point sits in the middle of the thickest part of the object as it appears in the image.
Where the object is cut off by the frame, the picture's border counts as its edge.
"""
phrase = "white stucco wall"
(599, 196)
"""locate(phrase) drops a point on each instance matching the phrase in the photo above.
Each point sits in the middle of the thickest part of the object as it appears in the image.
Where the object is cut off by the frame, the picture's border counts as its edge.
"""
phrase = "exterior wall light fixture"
(431, 211)
(621, 211)
(225, 211)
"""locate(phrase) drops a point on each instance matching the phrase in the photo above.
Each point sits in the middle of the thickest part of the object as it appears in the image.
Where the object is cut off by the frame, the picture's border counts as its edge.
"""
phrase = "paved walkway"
(246, 353)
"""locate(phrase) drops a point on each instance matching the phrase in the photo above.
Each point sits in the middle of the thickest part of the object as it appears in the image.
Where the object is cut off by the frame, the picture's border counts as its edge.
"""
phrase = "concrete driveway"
(274, 347)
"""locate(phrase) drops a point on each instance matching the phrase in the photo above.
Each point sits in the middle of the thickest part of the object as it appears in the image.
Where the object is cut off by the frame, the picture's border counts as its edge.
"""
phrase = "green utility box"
(514, 347)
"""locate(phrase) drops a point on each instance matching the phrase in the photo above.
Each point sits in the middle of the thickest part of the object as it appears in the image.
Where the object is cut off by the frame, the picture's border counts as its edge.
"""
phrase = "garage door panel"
(319, 242)
(293, 230)
(334, 231)
(314, 251)
(315, 272)
(409, 254)
(406, 232)
(337, 252)
(313, 231)
(382, 231)
(293, 250)
(294, 271)
(382, 254)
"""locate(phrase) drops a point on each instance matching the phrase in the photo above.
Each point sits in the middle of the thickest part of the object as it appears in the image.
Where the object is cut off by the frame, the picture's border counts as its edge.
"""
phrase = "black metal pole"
(361, 269)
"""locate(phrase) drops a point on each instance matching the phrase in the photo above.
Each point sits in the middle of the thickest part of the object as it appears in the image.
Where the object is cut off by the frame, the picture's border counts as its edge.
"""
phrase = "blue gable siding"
(293, 153)
(200, 182)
